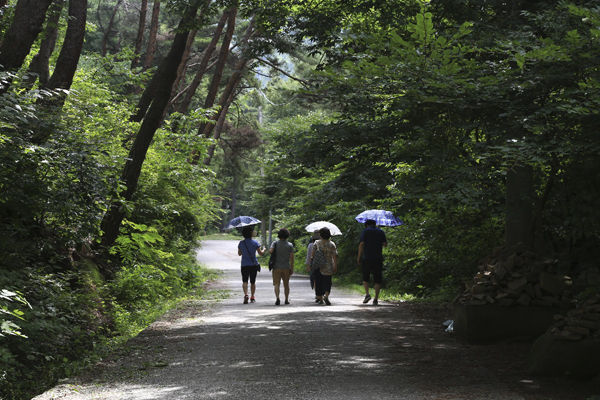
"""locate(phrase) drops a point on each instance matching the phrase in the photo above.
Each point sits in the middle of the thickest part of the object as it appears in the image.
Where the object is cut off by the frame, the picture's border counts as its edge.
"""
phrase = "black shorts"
(374, 267)
(249, 272)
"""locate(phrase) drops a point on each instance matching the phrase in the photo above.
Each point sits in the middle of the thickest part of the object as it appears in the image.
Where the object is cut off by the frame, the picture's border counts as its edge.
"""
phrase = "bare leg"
(286, 290)
(366, 286)
(377, 288)
(276, 287)
(252, 288)
(245, 287)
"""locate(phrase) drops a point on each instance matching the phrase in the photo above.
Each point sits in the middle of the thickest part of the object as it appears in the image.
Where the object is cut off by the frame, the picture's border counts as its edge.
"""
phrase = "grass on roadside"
(222, 236)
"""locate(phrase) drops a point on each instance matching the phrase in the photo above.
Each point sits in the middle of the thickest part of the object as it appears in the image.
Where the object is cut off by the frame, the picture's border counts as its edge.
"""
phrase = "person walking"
(284, 264)
(309, 269)
(247, 248)
(324, 258)
(372, 241)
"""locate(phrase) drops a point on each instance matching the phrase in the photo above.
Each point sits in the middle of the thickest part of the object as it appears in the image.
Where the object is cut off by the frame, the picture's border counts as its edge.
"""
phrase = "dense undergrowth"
(64, 303)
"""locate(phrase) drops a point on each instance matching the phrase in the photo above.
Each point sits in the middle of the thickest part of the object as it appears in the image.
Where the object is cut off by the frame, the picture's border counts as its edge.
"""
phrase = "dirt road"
(229, 350)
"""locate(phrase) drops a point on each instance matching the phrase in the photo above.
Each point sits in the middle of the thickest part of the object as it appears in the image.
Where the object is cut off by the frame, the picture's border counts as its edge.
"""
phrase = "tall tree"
(40, 64)
(27, 23)
(184, 62)
(221, 60)
(140, 33)
(109, 28)
(167, 72)
(219, 128)
(151, 47)
(184, 105)
(205, 129)
(227, 94)
(66, 64)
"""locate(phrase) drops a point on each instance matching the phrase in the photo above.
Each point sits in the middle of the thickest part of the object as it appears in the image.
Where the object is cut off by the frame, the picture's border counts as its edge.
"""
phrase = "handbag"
(273, 257)
(257, 263)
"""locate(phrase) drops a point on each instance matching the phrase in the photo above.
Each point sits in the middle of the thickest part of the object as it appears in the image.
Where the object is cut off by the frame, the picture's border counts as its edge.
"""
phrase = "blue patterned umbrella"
(381, 217)
(242, 220)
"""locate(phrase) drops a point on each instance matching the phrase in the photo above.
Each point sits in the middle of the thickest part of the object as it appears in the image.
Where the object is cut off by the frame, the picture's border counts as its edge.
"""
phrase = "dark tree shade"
(206, 54)
(40, 63)
(27, 24)
(140, 33)
(167, 74)
(67, 61)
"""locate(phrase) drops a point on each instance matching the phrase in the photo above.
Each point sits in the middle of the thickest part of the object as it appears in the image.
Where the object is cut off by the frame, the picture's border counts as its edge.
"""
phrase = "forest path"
(228, 350)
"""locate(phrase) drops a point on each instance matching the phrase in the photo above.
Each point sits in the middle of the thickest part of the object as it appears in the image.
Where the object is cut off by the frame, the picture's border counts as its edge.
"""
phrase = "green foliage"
(60, 169)
(431, 117)
(7, 326)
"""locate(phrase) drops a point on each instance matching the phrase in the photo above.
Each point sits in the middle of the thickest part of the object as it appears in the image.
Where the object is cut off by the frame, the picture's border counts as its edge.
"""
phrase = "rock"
(517, 284)
(554, 357)
(524, 300)
(551, 283)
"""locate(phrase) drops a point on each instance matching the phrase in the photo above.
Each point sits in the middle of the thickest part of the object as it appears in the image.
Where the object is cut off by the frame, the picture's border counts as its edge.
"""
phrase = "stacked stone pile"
(582, 322)
(517, 279)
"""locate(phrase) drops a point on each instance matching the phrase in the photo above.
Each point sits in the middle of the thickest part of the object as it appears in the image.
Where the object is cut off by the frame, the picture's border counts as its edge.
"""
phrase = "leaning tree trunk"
(219, 125)
(167, 71)
(206, 55)
(206, 128)
(222, 59)
(519, 206)
(27, 23)
(181, 70)
(151, 48)
(227, 92)
(149, 93)
(140, 33)
(109, 29)
(67, 61)
(40, 64)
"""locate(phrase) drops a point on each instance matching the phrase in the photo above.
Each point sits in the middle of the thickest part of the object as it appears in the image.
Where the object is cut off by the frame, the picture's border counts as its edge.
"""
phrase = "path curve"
(297, 351)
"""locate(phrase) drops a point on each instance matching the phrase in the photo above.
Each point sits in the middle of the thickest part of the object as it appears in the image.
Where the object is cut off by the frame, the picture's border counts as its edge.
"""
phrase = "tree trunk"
(206, 54)
(219, 128)
(40, 64)
(151, 49)
(27, 23)
(205, 128)
(227, 92)
(140, 33)
(109, 29)
(222, 59)
(167, 72)
(184, 61)
(519, 207)
(67, 61)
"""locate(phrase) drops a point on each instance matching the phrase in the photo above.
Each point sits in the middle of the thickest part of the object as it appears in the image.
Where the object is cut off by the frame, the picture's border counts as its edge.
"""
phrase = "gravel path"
(228, 350)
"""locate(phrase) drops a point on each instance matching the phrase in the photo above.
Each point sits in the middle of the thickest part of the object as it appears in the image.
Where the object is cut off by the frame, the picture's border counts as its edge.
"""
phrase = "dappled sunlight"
(230, 349)
(123, 392)
(362, 362)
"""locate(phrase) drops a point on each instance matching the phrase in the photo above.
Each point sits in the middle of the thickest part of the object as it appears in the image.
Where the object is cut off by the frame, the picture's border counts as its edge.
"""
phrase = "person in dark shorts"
(247, 248)
(372, 241)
